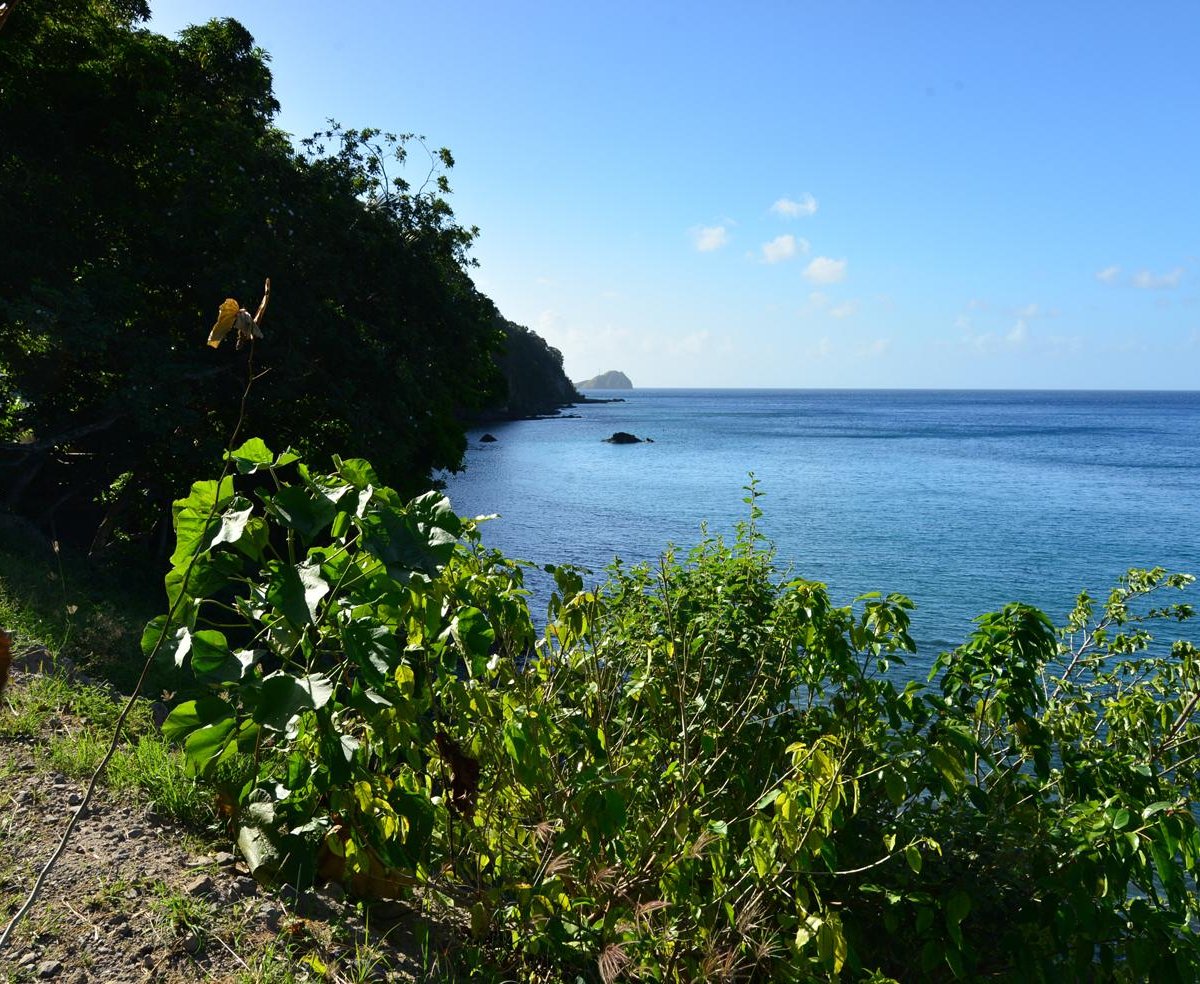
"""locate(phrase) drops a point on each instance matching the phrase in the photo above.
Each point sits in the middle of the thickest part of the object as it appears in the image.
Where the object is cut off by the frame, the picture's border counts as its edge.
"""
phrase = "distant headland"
(611, 380)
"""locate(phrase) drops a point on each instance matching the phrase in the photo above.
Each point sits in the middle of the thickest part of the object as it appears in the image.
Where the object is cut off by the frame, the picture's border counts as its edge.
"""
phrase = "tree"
(149, 182)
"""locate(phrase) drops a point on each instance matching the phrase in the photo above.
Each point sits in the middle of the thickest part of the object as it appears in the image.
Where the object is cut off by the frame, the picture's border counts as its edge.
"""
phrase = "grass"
(82, 609)
(90, 611)
(94, 615)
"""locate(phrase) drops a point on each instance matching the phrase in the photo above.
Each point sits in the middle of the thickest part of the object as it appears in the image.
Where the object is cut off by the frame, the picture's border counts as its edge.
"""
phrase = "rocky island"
(611, 380)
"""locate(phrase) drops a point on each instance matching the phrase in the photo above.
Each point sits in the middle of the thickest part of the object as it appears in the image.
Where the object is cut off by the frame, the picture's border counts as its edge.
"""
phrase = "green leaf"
(373, 648)
(893, 783)
(913, 856)
(175, 647)
(474, 636)
(233, 520)
(194, 714)
(301, 509)
(283, 696)
(948, 764)
(258, 847)
(210, 650)
(251, 456)
(958, 904)
(210, 574)
(419, 539)
(207, 746)
(196, 518)
(357, 472)
(1158, 807)
(297, 591)
(768, 799)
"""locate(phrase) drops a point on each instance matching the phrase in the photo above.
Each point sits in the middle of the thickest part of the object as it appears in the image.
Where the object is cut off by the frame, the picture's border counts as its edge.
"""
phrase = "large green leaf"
(419, 539)
(251, 456)
(282, 696)
(233, 520)
(305, 510)
(373, 648)
(210, 651)
(196, 518)
(194, 714)
(209, 575)
(296, 591)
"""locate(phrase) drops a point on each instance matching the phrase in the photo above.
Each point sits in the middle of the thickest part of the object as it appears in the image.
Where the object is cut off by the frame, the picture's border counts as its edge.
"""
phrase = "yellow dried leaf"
(225, 318)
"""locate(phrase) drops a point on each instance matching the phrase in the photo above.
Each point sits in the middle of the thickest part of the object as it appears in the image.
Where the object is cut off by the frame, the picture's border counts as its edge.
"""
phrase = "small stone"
(223, 858)
(202, 886)
(27, 958)
(243, 886)
(48, 968)
(203, 861)
(272, 915)
(192, 943)
(134, 832)
(74, 799)
(335, 891)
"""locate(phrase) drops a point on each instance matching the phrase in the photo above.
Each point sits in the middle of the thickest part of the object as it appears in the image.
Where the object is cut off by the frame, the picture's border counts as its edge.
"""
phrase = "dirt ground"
(138, 898)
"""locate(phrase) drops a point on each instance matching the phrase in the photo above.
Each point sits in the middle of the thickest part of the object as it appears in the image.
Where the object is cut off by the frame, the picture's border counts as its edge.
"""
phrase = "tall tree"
(148, 181)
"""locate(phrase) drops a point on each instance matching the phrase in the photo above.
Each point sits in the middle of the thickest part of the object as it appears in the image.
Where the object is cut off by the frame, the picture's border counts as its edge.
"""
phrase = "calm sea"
(961, 500)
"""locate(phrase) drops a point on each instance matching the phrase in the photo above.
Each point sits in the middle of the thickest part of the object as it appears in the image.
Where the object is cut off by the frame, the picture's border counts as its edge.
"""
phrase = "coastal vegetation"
(699, 769)
(148, 181)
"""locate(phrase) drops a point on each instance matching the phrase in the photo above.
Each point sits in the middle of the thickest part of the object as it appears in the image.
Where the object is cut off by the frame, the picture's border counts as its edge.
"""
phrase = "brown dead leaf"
(464, 774)
(226, 315)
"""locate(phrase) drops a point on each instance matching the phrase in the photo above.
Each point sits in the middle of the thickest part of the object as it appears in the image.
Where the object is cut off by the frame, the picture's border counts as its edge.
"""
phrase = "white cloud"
(818, 299)
(1029, 311)
(793, 209)
(845, 310)
(1157, 281)
(823, 270)
(708, 238)
(783, 248)
(1109, 275)
(1019, 334)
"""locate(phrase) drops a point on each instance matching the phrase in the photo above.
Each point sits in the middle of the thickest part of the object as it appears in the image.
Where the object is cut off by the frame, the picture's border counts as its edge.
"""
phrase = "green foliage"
(535, 382)
(698, 771)
(148, 182)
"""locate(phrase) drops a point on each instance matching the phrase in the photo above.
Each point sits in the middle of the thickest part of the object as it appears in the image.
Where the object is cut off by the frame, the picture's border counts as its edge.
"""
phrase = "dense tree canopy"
(144, 181)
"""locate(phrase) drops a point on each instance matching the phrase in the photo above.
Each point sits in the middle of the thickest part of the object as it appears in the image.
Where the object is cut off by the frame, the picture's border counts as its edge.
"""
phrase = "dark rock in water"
(623, 437)
(488, 438)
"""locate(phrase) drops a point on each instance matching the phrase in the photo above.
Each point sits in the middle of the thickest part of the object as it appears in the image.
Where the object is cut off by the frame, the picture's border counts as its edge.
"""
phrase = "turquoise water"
(961, 500)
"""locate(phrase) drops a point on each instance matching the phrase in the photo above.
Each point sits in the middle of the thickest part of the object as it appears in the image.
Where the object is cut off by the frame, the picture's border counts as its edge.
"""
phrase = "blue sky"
(796, 194)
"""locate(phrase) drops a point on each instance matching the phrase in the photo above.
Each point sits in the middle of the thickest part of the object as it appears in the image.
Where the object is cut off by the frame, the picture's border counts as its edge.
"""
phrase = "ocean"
(962, 500)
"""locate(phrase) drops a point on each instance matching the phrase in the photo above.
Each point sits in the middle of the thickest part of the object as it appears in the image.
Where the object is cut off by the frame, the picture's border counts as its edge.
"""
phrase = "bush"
(698, 771)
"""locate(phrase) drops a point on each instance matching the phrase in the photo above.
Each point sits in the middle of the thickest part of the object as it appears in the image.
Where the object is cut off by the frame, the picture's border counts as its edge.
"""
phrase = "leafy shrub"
(697, 771)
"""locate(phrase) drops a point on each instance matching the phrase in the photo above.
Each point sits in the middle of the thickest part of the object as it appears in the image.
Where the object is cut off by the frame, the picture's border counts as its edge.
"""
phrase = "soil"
(136, 897)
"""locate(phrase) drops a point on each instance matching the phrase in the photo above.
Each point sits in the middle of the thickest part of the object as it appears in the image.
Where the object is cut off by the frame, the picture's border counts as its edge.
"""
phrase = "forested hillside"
(144, 181)
(533, 374)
